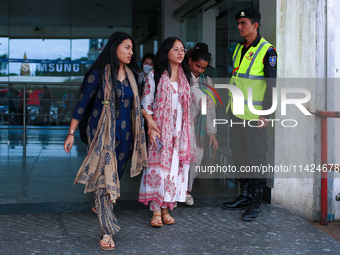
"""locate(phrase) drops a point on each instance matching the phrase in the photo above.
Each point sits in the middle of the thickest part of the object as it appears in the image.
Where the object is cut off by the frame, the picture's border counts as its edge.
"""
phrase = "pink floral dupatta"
(162, 109)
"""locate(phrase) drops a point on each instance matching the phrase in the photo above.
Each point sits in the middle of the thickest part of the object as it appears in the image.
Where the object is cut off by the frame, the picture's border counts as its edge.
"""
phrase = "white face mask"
(147, 68)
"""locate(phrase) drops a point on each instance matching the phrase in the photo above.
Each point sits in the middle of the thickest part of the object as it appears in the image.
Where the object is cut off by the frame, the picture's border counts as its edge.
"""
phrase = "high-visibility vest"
(250, 74)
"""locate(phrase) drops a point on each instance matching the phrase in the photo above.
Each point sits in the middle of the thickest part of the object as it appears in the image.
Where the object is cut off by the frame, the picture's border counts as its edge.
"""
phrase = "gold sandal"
(108, 239)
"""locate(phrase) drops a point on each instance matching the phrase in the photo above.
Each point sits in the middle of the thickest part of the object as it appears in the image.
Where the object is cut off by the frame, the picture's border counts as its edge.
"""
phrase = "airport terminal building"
(51, 44)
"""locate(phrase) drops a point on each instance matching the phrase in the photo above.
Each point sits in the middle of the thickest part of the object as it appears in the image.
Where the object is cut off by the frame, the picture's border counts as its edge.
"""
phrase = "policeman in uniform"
(255, 64)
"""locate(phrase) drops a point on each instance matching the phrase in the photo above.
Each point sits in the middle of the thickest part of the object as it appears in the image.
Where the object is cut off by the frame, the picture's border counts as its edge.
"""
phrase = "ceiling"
(74, 18)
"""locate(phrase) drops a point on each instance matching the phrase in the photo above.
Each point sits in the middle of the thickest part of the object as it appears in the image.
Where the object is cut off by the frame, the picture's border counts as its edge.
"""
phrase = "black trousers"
(249, 147)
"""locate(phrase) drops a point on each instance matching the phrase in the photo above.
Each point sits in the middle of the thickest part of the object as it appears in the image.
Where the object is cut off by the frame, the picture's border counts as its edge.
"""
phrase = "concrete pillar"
(333, 104)
(308, 38)
(300, 42)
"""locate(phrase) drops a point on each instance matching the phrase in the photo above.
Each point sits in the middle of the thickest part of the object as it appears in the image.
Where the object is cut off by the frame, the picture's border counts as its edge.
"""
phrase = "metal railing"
(324, 161)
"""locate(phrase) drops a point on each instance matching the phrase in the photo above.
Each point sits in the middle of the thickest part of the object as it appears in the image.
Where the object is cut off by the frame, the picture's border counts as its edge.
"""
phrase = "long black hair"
(197, 54)
(109, 56)
(161, 62)
(147, 55)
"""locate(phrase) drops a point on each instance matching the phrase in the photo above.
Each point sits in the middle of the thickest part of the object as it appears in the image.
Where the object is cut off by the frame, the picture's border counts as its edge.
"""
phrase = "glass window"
(36, 57)
(3, 57)
(191, 30)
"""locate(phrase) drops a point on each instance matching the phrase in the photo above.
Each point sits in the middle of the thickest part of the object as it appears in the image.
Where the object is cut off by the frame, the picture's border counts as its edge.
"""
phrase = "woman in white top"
(198, 61)
(167, 99)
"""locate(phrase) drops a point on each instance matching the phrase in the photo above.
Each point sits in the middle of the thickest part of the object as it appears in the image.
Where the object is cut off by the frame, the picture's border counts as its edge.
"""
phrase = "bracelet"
(71, 132)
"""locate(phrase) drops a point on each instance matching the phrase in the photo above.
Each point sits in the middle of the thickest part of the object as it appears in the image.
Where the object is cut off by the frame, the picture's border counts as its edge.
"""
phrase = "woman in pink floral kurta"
(165, 181)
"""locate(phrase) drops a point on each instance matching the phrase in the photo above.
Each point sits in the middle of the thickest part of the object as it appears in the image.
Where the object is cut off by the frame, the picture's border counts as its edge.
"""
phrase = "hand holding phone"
(158, 143)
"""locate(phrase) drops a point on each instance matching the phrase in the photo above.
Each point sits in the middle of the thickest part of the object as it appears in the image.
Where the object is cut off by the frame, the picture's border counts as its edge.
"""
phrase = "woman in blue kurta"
(124, 138)
(115, 129)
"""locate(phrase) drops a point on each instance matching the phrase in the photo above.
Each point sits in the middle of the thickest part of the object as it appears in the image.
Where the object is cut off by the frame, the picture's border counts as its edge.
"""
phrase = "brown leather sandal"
(165, 219)
(94, 209)
(154, 218)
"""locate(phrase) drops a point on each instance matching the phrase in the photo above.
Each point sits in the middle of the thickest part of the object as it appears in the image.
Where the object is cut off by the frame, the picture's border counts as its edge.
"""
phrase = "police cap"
(249, 13)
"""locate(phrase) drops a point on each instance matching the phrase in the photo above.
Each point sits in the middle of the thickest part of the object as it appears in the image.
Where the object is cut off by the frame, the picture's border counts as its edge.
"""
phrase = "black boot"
(242, 201)
(253, 208)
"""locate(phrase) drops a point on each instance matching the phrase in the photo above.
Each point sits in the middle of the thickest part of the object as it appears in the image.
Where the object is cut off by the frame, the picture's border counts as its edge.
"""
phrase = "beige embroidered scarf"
(99, 169)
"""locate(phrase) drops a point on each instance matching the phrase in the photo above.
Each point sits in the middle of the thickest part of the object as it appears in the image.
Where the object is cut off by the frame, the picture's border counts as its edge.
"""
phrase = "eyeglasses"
(184, 51)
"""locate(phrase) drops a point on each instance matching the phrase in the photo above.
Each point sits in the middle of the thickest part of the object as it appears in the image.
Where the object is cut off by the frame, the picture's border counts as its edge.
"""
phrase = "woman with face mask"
(147, 66)
(205, 132)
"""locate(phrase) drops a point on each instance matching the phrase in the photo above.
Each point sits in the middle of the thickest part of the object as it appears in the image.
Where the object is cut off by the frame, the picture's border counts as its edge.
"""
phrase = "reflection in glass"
(3, 58)
(33, 62)
(51, 71)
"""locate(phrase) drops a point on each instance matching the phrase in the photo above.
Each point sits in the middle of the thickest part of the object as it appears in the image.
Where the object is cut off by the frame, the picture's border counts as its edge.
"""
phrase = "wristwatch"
(71, 132)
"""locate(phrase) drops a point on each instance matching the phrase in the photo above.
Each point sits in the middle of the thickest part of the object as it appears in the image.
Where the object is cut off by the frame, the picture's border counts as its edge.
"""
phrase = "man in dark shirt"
(255, 64)
(13, 99)
(45, 103)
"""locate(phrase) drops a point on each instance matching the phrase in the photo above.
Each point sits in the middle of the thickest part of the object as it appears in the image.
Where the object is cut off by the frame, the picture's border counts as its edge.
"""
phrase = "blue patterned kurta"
(124, 137)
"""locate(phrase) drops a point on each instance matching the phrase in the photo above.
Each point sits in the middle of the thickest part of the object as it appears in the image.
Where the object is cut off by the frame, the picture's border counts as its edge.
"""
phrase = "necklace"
(122, 90)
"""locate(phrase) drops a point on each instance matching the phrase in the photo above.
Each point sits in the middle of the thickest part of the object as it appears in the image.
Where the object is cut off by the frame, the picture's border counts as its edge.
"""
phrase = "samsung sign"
(51, 66)
(58, 68)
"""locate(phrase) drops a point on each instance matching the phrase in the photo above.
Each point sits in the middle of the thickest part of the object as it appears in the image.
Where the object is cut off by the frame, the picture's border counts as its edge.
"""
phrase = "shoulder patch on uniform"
(271, 48)
(272, 61)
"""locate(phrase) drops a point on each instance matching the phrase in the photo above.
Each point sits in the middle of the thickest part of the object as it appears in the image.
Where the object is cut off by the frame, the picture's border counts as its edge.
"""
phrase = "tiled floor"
(47, 173)
(42, 182)
(204, 228)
